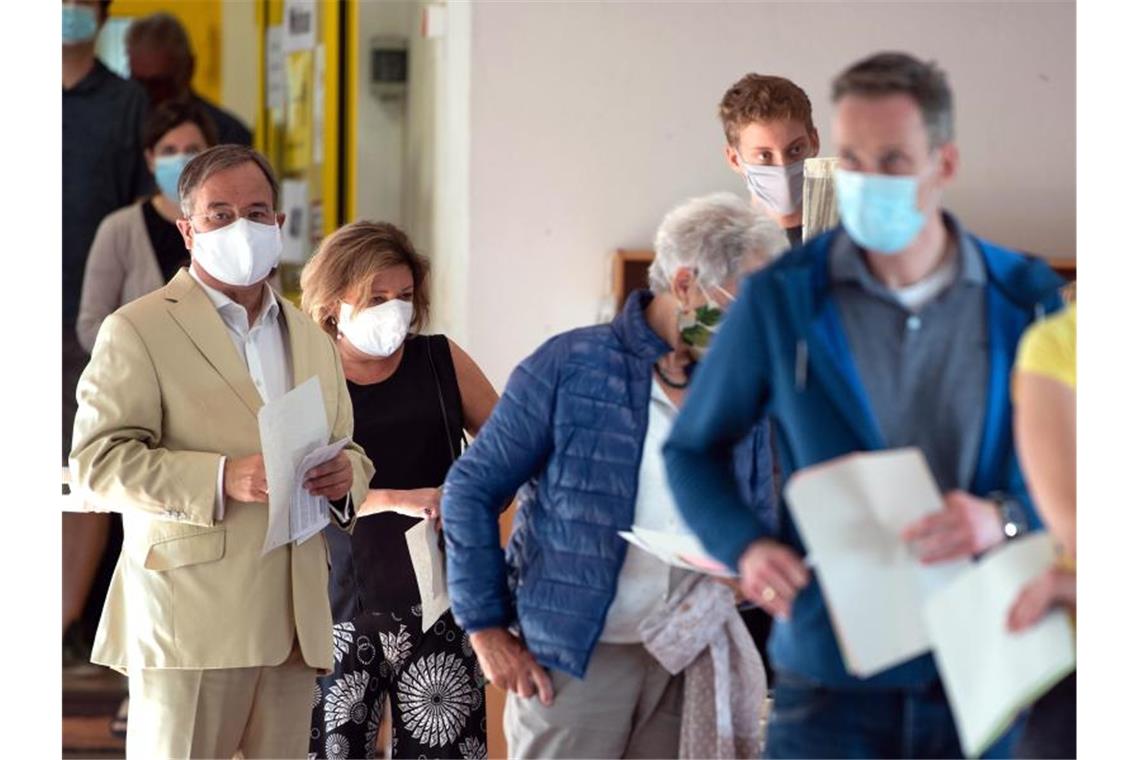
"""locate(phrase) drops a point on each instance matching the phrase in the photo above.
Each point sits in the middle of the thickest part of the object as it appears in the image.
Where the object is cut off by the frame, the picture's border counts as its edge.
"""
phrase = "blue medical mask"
(167, 170)
(79, 24)
(879, 211)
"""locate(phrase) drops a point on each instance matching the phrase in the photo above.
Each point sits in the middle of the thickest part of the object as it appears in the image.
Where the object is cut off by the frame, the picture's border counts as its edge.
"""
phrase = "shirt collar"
(223, 303)
(848, 264)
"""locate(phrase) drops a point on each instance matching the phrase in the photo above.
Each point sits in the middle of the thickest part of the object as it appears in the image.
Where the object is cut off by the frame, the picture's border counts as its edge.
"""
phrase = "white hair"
(715, 235)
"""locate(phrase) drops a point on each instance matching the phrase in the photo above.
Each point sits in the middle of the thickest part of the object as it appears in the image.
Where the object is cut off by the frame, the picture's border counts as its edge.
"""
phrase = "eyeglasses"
(224, 216)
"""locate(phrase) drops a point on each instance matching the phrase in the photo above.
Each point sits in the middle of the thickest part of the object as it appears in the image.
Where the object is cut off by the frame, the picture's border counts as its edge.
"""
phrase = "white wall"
(380, 124)
(590, 120)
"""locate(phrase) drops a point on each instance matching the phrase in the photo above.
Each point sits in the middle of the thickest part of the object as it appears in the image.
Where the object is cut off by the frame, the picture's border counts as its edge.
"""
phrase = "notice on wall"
(275, 71)
(297, 236)
(300, 25)
(319, 105)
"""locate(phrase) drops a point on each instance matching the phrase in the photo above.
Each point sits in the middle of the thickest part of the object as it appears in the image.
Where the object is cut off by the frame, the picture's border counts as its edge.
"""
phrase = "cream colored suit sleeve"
(116, 452)
(362, 468)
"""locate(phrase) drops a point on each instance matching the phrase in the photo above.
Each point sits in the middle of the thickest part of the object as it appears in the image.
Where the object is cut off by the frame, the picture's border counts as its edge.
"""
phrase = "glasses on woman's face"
(223, 216)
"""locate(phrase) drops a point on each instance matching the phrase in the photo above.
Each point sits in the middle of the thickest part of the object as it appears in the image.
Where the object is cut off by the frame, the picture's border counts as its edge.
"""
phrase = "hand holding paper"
(332, 478)
(851, 513)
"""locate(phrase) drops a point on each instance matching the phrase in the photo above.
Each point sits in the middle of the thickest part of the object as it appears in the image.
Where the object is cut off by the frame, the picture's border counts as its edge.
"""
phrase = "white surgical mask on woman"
(378, 330)
(239, 254)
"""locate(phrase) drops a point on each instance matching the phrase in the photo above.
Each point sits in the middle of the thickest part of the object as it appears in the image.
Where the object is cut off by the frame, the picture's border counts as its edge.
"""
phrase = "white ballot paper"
(292, 428)
(309, 514)
(989, 673)
(850, 513)
(431, 574)
(677, 549)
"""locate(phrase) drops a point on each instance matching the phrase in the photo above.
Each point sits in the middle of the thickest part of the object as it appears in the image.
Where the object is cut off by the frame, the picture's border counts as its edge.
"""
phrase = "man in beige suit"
(222, 645)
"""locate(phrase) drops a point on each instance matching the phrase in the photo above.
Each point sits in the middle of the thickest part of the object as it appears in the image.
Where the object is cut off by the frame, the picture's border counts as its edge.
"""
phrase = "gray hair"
(164, 31)
(217, 159)
(714, 235)
(890, 73)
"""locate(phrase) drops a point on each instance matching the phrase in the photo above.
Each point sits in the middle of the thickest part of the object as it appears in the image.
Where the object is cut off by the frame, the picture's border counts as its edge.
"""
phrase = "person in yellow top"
(1045, 429)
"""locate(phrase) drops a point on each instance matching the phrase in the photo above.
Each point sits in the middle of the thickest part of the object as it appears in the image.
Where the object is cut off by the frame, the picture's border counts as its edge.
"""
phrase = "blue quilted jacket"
(570, 427)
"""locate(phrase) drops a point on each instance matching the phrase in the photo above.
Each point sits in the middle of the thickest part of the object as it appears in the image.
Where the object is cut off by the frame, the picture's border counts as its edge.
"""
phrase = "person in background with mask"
(103, 170)
(581, 423)
(768, 133)
(139, 248)
(222, 643)
(896, 329)
(162, 61)
(413, 395)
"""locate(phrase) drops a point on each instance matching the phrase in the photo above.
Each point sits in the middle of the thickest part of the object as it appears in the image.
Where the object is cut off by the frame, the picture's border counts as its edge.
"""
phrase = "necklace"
(671, 383)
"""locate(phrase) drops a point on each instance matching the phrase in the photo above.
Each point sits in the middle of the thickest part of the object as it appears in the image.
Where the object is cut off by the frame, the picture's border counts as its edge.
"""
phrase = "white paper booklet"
(310, 514)
(678, 550)
(292, 427)
(431, 573)
(989, 673)
(850, 513)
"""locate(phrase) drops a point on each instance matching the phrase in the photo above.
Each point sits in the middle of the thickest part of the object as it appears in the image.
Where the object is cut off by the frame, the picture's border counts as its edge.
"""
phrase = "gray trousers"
(626, 706)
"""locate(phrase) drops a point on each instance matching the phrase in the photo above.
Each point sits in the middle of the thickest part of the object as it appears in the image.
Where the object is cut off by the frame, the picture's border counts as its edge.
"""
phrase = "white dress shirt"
(643, 583)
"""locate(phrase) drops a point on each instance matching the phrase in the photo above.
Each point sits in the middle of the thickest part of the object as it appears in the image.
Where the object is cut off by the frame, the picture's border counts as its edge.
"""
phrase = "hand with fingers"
(771, 575)
(1056, 587)
(508, 664)
(966, 526)
(332, 479)
(243, 479)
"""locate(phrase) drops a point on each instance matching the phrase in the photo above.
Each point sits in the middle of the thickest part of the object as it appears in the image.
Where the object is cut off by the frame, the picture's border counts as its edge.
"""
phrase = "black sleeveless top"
(399, 424)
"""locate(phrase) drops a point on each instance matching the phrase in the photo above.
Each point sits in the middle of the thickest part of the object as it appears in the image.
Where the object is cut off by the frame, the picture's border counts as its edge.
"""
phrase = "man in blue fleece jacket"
(897, 329)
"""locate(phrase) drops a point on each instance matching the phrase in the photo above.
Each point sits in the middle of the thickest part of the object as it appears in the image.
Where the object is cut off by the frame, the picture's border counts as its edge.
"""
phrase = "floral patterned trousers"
(432, 679)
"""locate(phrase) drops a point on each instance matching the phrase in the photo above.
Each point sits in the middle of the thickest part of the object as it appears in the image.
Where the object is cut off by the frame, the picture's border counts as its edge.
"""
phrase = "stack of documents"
(679, 550)
(294, 439)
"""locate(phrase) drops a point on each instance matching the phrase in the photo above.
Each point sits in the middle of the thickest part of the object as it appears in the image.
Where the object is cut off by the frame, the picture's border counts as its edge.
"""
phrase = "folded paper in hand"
(681, 550)
(991, 674)
(431, 572)
(294, 439)
(850, 513)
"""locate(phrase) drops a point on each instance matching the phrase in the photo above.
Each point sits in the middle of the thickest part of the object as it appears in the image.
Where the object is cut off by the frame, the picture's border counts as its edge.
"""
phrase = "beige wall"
(588, 121)
(239, 60)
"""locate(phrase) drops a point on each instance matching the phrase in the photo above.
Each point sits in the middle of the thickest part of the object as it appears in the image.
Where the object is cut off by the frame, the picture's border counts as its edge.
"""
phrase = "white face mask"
(378, 330)
(779, 188)
(240, 254)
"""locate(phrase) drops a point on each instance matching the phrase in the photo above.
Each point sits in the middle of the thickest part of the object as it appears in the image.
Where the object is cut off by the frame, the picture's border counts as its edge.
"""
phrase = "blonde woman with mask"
(413, 396)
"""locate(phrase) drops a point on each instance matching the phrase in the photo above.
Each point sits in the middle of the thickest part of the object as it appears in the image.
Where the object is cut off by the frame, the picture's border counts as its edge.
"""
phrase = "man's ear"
(281, 219)
(948, 160)
(187, 231)
(682, 286)
(732, 157)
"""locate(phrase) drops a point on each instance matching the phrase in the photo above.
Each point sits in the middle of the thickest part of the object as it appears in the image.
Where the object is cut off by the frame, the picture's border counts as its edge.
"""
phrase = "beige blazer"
(164, 397)
(121, 267)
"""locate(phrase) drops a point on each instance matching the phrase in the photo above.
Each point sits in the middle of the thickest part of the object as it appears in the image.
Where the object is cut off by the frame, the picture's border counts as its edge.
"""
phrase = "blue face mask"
(167, 170)
(880, 212)
(79, 24)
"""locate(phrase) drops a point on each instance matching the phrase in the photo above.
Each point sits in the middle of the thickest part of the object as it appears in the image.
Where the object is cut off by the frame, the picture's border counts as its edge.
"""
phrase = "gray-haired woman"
(583, 418)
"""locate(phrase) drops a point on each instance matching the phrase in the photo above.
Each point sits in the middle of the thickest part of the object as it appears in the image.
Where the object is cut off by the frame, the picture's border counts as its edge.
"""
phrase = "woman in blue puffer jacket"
(581, 423)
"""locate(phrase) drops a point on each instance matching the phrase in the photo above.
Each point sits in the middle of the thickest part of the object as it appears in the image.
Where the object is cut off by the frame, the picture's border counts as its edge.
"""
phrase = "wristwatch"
(1011, 513)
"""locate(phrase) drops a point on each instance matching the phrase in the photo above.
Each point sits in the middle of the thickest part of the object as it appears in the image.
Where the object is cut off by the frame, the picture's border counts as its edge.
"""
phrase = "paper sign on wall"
(275, 71)
(300, 25)
(297, 235)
